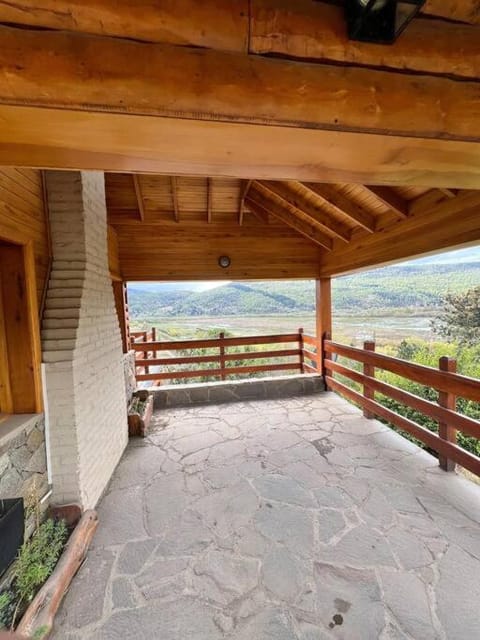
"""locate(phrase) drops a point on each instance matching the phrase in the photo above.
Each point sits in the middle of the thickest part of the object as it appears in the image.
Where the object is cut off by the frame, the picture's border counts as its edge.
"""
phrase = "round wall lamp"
(224, 262)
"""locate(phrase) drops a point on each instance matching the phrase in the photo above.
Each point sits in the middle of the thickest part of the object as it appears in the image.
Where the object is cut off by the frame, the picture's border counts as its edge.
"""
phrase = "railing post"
(448, 401)
(222, 356)
(154, 339)
(368, 370)
(323, 356)
(301, 347)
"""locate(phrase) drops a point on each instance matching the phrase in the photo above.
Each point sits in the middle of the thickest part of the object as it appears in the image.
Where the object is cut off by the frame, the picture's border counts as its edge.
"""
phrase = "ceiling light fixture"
(379, 21)
(224, 262)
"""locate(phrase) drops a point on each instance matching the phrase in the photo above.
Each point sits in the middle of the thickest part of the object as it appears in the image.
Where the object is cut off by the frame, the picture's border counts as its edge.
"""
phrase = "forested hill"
(389, 288)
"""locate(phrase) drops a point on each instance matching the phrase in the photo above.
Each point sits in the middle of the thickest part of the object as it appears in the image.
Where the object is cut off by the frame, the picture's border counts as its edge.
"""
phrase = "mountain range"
(408, 286)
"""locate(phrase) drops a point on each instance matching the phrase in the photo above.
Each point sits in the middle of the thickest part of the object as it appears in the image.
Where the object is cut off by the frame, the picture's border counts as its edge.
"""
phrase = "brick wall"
(81, 343)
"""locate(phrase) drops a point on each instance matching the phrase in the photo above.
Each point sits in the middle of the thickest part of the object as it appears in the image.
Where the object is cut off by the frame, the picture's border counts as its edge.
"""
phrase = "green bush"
(35, 563)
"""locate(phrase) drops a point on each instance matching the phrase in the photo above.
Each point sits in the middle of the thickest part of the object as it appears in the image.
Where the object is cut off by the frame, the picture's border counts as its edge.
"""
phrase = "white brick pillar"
(82, 347)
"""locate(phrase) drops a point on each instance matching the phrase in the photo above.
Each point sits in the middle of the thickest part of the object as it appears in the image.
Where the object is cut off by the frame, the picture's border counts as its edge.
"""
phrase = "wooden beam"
(139, 196)
(336, 199)
(461, 10)
(302, 29)
(259, 197)
(209, 200)
(216, 24)
(398, 205)
(70, 71)
(452, 223)
(121, 305)
(147, 144)
(316, 31)
(176, 210)
(245, 186)
(296, 195)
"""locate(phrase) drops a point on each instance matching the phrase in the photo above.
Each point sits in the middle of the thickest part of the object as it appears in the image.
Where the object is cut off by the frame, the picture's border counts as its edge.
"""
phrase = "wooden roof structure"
(252, 128)
(176, 226)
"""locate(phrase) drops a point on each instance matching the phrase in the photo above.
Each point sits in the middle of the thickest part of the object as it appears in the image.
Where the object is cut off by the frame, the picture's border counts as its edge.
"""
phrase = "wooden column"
(448, 401)
(323, 308)
(121, 304)
(368, 370)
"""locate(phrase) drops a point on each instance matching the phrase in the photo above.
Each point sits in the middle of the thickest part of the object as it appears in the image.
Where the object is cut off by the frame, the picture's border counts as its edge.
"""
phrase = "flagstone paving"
(291, 519)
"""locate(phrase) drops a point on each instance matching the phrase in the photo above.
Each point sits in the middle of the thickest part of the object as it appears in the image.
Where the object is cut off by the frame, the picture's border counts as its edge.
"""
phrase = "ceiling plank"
(244, 187)
(336, 199)
(74, 71)
(209, 200)
(186, 147)
(139, 196)
(436, 229)
(397, 204)
(289, 191)
(176, 209)
(260, 197)
(300, 227)
(436, 200)
(316, 31)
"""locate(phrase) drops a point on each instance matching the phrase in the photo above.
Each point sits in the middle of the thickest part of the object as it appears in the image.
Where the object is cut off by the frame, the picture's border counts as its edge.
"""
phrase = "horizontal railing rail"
(217, 352)
(444, 380)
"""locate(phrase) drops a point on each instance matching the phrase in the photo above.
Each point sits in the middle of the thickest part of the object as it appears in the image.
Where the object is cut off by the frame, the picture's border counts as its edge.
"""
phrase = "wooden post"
(368, 370)
(323, 356)
(121, 304)
(323, 309)
(154, 339)
(222, 356)
(300, 346)
(448, 401)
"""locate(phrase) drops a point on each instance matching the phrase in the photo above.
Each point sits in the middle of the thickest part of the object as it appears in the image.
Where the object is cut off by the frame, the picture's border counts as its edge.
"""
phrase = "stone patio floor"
(292, 519)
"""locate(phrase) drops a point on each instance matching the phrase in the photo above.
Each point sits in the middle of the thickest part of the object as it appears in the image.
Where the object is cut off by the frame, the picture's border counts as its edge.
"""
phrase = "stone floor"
(279, 520)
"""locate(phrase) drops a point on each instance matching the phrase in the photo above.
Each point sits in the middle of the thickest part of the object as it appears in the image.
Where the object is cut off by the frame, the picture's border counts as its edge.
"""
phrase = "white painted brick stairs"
(81, 343)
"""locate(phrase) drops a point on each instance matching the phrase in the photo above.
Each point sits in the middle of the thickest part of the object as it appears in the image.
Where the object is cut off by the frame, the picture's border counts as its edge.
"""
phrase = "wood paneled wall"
(23, 218)
(156, 252)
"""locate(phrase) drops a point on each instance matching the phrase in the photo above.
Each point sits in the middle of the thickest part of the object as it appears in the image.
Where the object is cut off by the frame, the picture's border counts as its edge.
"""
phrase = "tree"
(460, 318)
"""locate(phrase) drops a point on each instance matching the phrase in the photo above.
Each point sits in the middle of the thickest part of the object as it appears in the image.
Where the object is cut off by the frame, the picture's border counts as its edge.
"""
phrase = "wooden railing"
(218, 353)
(444, 380)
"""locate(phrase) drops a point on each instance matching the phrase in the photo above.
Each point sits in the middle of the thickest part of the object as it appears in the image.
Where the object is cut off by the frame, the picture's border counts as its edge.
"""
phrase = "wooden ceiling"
(346, 226)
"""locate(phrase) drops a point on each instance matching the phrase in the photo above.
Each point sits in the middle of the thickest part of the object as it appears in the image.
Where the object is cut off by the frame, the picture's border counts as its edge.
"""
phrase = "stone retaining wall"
(236, 391)
(23, 461)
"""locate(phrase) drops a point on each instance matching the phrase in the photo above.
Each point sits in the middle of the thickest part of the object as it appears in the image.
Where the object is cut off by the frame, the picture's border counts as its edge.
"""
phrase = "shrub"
(35, 563)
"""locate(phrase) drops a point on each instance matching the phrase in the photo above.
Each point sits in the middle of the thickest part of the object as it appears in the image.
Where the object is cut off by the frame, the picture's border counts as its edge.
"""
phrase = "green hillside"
(401, 287)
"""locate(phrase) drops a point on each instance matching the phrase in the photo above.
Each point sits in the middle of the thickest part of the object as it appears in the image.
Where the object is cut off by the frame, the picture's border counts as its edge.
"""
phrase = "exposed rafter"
(176, 210)
(335, 198)
(260, 197)
(432, 229)
(296, 195)
(139, 196)
(244, 187)
(388, 197)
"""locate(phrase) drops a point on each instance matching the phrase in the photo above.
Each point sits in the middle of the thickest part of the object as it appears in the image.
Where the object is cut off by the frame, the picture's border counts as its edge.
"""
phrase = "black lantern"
(379, 21)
